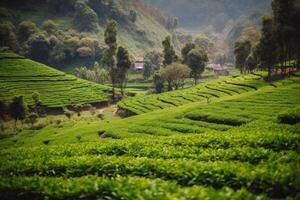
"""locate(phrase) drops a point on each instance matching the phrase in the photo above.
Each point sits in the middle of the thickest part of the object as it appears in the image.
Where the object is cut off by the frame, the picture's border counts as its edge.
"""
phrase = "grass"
(233, 148)
(57, 89)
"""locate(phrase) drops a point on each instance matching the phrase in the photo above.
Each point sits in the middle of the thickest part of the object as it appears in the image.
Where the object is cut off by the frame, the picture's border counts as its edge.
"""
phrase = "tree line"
(279, 41)
(19, 110)
(175, 69)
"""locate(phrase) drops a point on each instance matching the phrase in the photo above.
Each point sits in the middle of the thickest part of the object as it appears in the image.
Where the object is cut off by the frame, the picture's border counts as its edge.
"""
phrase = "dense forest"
(66, 33)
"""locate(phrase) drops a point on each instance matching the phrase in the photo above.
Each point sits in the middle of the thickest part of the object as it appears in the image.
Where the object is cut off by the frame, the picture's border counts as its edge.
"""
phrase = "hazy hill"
(205, 12)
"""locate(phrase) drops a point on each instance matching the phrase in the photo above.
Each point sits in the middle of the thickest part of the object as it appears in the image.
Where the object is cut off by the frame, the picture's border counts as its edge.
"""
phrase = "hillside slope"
(213, 90)
(140, 35)
(235, 147)
(208, 12)
(20, 76)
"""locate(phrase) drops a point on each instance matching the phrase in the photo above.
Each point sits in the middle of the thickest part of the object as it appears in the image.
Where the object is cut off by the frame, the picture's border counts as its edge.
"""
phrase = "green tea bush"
(290, 117)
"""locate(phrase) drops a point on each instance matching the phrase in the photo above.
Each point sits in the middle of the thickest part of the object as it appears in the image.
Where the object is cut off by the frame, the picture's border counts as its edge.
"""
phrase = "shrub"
(50, 27)
(68, 113)
(8, 36)
(46, 142)
(290, 117)
(26, 30)
(32, 118)
(100, 116)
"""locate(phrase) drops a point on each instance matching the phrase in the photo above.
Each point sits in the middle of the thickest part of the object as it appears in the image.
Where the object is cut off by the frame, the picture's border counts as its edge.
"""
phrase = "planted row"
(276, 179)
(94, 187)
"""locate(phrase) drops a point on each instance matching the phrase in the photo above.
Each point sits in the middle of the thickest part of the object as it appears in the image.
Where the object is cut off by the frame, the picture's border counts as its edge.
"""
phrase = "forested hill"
(203, 12)
(79, 25)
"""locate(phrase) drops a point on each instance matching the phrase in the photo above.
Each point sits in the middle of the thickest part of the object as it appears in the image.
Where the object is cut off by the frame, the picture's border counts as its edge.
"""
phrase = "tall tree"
(18, 109)
(196, 60)
(251, 62)
(295, 19)
(110, 35)
(282, 12)
(175, 74)
(169, 52)
(123, 65)
(185, 50)
(158, 82)
(266, 48)
(148, 69)
(242, 50)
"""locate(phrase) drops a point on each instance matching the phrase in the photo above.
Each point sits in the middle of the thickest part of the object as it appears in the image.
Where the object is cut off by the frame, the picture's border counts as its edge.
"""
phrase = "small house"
(139, 64)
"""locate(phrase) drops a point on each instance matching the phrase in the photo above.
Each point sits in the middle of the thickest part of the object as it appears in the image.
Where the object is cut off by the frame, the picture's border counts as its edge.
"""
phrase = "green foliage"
(227, 86)
(242, 51)
(196, 60)
(85, 18)
(158, 82)
(115, 188)
(175, 74)
(290, 117)
(18, 109)
(8, 36)
(55, 88)
(169, 52)
(232, 147)
(25, 30)
(50, 27)
(123, 65)
(267, 44)
(153, 60)
(185, 50)
(33, 118)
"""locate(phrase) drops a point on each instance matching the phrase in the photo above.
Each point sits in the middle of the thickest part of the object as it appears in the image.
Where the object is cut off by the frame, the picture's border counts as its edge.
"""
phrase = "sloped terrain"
(20, 76)
(215, 89)
(234, 147)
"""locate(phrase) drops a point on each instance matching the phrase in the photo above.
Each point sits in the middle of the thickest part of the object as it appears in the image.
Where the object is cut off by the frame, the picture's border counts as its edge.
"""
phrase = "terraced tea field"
(215, 89)
(19, 76)
(237, 147)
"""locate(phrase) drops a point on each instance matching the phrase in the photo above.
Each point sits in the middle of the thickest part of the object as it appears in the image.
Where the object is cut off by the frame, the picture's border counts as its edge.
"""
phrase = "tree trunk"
(270, 74)
(169, 86)
(16, 124)
(113, 93)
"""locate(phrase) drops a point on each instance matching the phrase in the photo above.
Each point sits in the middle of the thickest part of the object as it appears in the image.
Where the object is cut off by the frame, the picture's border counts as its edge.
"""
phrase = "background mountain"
(196, 13)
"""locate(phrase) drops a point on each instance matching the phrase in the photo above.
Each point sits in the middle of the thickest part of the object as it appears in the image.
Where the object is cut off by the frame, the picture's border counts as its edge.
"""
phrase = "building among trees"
(139, 64)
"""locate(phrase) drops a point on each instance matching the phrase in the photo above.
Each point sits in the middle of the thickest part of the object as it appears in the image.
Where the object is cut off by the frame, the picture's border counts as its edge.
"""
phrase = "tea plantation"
(243, 145)
(215, 89)
(20, 76)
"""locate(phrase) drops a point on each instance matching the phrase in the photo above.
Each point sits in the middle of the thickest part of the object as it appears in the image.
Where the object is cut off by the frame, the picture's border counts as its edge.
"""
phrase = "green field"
(20, 76)
(237, 147)
(214, 89)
